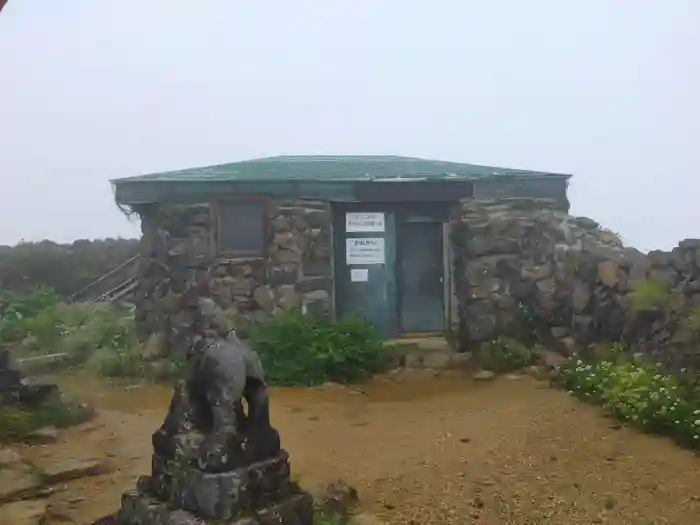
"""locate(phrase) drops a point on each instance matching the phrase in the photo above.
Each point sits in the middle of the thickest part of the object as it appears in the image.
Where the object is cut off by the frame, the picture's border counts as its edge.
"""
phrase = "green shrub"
(323, 519)
(77, 330)
(637, 393)
(650, 295)
(21, 313)
(16, 423)
(299, 349)
(692, 321)
(610, 352)
(504, 354)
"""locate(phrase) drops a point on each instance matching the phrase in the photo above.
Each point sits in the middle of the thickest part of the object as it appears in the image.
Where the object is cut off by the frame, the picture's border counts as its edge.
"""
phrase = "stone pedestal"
(240, 477)
(15, 390)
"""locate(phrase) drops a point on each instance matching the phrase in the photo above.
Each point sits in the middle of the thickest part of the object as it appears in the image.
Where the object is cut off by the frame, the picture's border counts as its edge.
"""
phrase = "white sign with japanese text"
(364, 222)
(368, 250)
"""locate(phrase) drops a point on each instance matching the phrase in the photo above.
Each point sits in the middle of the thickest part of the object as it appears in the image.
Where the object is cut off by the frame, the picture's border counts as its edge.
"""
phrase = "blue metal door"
(365, 266)
(420, 271)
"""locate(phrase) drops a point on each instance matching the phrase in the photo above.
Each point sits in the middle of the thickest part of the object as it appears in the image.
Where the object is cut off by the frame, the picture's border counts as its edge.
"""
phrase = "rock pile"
(527, 262)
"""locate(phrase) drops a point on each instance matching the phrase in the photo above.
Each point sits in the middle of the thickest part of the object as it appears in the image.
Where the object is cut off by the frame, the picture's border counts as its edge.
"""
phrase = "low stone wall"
(178, 246)
(525, 268)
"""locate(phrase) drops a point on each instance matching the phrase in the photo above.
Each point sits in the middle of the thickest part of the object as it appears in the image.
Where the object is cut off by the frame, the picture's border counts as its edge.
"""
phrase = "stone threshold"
(423, 351)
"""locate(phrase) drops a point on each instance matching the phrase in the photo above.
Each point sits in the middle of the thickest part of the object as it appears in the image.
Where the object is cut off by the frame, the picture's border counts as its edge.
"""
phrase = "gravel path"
(425, 450)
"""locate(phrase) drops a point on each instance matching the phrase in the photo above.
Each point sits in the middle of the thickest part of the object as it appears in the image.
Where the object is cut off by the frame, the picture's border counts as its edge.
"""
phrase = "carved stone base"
(219, 495)
(136, 509)
(258, 494)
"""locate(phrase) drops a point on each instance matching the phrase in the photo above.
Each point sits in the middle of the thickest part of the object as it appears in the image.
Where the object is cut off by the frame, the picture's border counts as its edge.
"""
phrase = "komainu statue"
(214, 460)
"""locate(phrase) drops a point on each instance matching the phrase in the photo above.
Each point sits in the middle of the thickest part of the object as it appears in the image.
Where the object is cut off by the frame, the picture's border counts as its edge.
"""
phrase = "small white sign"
(359, 275)
(364, 250)
(364, 222)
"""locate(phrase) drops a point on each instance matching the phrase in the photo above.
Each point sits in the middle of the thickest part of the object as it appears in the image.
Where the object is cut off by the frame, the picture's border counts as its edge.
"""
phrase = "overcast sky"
(604, 89)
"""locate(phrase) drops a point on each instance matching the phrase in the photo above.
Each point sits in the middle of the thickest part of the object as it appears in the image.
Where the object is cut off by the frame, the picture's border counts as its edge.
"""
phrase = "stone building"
(406, 242)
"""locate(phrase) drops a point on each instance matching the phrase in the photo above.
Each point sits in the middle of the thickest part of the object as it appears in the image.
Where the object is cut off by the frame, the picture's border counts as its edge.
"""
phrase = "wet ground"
(420, 450)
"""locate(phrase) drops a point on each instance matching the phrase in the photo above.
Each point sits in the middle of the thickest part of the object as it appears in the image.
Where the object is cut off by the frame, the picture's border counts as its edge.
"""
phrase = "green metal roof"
(329, 168)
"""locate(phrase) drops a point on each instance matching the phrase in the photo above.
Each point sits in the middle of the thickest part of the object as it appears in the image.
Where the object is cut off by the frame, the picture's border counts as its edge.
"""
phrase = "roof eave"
(428, 178)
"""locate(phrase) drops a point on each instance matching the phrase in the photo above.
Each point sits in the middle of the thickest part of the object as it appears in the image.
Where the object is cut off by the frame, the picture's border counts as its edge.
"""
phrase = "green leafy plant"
(26, 315)
(504, 354)
(525, 326)
(610, 352)
(321, 518)
(299, 349)
(692, 321)
(16, 423)
(649, 295)
(638, 393)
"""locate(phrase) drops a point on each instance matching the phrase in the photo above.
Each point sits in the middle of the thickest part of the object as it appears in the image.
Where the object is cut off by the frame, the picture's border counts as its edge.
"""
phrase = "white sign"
(359, 275)
(364, 222)
(364, 251)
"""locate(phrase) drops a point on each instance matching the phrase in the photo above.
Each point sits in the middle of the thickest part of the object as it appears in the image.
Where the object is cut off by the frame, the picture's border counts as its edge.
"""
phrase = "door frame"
(338, 211)
(440, 212)
(401, 221)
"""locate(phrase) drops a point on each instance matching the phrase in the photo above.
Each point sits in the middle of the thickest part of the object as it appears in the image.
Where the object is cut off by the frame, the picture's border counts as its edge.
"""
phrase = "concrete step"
(433, 353)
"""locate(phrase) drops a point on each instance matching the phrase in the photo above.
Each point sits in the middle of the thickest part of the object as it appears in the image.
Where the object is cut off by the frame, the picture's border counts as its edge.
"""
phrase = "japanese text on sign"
(364, 251)
(364, 222)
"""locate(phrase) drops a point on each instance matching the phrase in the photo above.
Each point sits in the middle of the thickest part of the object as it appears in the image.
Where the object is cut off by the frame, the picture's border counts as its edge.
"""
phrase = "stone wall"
(527, 269)
(178, 247)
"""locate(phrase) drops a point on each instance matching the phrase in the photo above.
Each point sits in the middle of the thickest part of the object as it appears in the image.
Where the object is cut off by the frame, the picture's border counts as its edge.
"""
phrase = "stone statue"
(225, 371)
(213, 461)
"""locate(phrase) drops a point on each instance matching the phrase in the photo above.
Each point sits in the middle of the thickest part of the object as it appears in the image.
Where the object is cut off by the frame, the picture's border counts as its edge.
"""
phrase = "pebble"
(484, 375)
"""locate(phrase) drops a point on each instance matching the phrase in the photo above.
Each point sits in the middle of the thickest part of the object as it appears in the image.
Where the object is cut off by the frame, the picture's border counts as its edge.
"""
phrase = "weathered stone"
(658, 259)
(666, 276)
(289, 298)
(484, 375)
(608, 273)
(461, 360)
(546, 286)
(284, 240)
(338, 498)
(581, 296)
(549, 359)
(537, 372)
(566, 346)
(67, 469)
(155, 347)
(263, 297)
(283, 274)
(18, 479)
(284, 256)
(437, 360)
(8, 457)
(281, 223)
(480, 246)
(43, 436)
(413, 360)
(537, 272)
(315, 283)
(559, 331)
(213, 461)
(316, 302)
(24, 513)
(585, 223)
(317, 218)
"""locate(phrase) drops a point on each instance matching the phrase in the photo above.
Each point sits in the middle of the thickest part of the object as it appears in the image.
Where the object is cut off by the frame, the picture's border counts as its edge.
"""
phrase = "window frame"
(217, 205)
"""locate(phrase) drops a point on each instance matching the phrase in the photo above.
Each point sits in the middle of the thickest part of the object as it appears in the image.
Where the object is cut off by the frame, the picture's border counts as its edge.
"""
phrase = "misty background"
(603, 89)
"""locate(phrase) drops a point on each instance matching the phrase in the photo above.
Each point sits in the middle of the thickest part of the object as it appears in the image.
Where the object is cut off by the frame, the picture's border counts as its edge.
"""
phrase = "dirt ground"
(420, 450)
